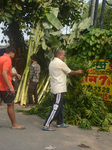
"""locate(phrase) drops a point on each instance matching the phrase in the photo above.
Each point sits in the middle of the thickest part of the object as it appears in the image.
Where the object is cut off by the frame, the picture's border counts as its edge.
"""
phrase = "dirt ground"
(34, 138)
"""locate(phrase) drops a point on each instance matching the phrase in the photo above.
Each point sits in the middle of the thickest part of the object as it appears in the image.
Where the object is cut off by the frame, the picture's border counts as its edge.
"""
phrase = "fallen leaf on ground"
(84, 146)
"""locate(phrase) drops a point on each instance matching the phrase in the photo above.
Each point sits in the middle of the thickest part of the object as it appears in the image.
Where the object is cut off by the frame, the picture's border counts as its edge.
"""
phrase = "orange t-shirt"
(5, 64)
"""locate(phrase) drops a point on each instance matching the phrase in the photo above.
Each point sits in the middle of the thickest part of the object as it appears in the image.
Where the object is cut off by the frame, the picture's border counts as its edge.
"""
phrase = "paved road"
(33, 138)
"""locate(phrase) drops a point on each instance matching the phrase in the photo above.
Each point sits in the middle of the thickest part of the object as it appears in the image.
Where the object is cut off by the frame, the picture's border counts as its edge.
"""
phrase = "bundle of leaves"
(82, 106)
(86, 108)
(109, 105)
(44, 108)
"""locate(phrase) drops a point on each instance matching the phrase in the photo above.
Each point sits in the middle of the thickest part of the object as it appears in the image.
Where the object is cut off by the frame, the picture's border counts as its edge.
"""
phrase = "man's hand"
(28, 83)
(75, 72)
(12, 90)
(79, 71)
(18, 76)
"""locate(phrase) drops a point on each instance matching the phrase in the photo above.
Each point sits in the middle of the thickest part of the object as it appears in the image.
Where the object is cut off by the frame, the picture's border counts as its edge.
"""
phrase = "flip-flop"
(48, 129)
(62, 126)
(18, 127)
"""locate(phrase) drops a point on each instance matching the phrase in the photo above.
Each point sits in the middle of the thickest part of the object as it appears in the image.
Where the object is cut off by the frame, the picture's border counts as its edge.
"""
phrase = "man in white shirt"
(58, 71)
(15, 80)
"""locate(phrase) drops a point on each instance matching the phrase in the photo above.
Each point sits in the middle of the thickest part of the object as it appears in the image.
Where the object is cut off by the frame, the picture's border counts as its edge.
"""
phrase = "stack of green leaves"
(82, 105)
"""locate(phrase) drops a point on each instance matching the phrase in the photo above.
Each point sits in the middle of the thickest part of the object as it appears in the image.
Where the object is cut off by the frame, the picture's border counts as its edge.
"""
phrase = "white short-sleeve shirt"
(58, 71)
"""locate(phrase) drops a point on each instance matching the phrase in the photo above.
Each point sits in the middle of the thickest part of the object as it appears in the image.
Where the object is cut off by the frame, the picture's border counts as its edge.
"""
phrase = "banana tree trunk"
(23, 88)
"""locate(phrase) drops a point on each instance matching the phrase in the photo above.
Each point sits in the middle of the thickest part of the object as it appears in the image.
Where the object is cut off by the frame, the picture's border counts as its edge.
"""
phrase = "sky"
(25, 35)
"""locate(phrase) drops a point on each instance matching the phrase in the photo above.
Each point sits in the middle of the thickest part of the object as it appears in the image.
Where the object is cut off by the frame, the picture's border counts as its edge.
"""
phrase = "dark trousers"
(32, 90)
(15, 84)
(56, 110)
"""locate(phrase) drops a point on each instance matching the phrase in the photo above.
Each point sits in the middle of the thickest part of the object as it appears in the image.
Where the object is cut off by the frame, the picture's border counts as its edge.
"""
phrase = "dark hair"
(10, 49)
(34, 57)
(59, 52)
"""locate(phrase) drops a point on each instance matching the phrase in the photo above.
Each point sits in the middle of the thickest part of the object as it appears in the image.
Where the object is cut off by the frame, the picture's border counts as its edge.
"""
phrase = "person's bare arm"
(17, 75)
(75, 72)
(5, 77)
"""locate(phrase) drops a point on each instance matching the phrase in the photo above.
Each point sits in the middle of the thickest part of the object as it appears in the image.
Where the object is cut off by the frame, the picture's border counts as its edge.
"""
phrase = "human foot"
(62, 126)
(20, 127)
(48, 128)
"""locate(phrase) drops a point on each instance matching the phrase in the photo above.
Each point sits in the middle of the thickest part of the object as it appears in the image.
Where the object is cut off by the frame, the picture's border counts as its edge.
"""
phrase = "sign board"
(100, 78)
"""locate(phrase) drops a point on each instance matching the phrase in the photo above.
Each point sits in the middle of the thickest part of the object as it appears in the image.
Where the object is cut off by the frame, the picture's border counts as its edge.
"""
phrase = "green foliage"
(54, 21)
(77, 28)
(107, 17)
(87, 104)
(109, 106)
(27, 13)
(95, 45)
(85, 124)
(82, 105)
(45, 107)
(106, 123)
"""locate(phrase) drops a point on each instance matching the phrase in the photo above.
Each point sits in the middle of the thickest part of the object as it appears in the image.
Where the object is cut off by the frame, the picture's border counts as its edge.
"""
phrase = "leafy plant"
(106, 123)
(85, 124)
(95, 45)
(82, 105)
(45, 107)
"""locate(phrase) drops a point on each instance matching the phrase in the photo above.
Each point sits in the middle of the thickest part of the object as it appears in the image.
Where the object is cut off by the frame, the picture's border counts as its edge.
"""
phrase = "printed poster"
(100, 78)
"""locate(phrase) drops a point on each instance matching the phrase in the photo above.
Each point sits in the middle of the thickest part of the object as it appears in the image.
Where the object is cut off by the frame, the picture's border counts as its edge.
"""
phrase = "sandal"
(62, 126)
(18, 127)
(48, 129)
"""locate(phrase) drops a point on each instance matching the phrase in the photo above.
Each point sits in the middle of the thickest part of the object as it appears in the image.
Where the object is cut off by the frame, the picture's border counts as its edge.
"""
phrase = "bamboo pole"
(44, 89)
(23, 88)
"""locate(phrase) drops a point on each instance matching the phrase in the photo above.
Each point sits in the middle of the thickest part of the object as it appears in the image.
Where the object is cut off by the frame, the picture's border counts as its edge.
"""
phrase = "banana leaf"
(75, 33)
(54, 21)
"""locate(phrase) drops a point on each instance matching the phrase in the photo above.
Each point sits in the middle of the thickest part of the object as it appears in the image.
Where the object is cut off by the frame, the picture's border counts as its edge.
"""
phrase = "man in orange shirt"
(7, 91)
